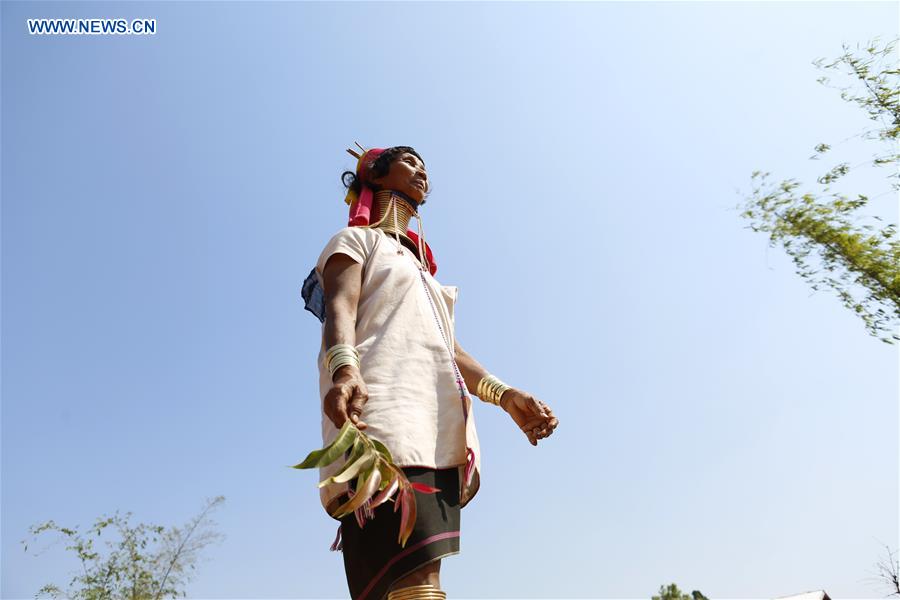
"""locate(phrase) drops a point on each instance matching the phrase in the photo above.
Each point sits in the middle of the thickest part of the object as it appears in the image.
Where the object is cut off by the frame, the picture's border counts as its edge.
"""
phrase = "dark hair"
(380, 168)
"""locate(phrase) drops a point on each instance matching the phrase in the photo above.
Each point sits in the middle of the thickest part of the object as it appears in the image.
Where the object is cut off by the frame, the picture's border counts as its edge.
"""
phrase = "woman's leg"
(376, 564)
(427, 573)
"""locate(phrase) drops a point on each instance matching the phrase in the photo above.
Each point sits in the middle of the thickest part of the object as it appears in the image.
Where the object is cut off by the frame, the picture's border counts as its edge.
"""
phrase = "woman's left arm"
(533, 417)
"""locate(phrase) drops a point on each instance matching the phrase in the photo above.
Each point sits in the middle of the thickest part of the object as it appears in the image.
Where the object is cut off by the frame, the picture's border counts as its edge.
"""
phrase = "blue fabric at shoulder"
(314, 296)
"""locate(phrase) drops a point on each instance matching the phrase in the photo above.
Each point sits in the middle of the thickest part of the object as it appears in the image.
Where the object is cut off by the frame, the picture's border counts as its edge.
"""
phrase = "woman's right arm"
(342, 280)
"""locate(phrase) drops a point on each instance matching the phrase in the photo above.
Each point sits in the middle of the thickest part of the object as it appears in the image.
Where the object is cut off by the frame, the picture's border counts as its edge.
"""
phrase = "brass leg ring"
(425, 591)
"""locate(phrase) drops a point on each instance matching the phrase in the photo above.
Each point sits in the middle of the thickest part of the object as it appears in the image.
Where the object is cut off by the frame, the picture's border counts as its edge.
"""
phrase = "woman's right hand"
(346, 397)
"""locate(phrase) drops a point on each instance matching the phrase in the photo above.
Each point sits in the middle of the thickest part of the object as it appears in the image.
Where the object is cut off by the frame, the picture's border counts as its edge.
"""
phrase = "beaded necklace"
(463, 395)
(422, 267)
(389, 205)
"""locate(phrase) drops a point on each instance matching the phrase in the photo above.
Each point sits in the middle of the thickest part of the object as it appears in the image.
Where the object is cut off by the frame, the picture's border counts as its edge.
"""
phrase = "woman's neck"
(386, 218)
(394, 210)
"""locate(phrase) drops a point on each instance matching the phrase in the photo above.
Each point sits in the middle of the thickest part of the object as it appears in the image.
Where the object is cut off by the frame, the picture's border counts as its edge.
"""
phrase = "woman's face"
(406, 174)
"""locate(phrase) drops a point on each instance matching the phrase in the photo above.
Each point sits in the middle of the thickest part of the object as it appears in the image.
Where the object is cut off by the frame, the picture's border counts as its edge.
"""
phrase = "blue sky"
(722, 426)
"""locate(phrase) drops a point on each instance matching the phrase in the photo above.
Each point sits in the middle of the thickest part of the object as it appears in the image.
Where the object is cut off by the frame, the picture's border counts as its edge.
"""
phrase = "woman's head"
(399, 168)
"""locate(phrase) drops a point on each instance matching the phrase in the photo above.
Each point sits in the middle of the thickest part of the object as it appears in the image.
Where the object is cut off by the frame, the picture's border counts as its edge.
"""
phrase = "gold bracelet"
(340, 350)
(490, 389)
(340, 355)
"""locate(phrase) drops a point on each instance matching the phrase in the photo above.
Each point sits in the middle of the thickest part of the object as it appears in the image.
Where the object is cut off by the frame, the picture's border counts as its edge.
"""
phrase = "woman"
(390, 362)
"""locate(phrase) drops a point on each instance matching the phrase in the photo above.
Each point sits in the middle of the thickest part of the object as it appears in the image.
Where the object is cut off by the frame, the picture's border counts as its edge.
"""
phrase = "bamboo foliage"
(821, 229)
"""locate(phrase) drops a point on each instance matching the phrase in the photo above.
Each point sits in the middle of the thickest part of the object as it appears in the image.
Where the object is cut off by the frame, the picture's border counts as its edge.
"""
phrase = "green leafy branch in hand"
(378, 479)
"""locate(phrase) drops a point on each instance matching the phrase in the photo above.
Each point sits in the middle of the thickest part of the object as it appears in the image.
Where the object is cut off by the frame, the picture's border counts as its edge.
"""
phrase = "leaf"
(384, 495)
(388, 473)
(425, 489)
(330, 453)
(407, 515)
(383, 449)
(359, 451)
(363, 493)
(363, 463)
(359, 447)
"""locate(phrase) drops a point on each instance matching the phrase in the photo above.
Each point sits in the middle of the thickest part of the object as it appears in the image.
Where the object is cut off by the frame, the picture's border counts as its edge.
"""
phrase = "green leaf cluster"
(821, 230)
(141, 562)
(377, 478)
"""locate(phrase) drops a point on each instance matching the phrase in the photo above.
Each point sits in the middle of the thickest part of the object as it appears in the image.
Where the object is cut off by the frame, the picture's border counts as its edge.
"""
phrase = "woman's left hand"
(532, 416)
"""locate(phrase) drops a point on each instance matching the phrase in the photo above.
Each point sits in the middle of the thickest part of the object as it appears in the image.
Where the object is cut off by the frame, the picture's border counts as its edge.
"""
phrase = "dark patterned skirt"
(374, 560)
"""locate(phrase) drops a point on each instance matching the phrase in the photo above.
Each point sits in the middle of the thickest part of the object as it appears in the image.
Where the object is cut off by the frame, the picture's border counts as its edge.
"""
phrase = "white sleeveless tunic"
(414, 404)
